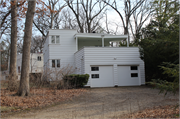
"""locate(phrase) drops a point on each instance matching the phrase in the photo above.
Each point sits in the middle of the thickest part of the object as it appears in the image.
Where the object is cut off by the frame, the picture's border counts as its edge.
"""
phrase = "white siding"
(79, 59)
(46, 52)
(113, 56)
(19, 62)
(115, 75)
(35, 66)
(65, 49)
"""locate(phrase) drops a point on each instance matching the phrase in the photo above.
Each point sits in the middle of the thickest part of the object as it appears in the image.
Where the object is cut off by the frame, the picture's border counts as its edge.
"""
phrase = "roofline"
(62, 29)
(95, 35)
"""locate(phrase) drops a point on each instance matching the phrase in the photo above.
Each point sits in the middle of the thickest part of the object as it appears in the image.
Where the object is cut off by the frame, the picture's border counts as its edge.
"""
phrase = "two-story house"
(92, 53)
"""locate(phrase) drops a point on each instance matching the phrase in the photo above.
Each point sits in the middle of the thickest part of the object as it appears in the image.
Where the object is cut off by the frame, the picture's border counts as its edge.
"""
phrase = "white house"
(92, 53)
(36, 63)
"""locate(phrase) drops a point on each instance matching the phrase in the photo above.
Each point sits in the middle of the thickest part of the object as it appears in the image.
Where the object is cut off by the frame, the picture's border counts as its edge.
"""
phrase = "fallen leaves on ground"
(38, 97)
(168, 111)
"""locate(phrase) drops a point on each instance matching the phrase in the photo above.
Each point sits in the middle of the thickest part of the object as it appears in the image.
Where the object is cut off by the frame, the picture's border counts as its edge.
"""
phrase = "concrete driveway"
(105, 103)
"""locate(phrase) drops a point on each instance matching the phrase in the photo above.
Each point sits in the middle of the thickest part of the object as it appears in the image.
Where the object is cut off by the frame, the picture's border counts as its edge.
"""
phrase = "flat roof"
(99, 35)
(109, 37)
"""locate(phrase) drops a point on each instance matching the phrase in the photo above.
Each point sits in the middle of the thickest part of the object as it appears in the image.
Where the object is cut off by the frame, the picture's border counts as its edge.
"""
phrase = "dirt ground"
(104, 103)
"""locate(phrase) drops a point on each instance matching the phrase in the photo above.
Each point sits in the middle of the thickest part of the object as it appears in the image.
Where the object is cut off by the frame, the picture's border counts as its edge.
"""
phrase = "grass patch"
(176, 115)
(5, 108)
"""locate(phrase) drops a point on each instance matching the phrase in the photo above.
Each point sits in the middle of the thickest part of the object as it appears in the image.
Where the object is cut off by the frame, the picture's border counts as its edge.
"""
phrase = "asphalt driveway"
(105, 103)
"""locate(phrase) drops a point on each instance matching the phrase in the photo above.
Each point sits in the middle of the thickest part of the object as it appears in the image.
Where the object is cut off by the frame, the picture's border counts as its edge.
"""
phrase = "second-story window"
(39, 58)
(55, 39)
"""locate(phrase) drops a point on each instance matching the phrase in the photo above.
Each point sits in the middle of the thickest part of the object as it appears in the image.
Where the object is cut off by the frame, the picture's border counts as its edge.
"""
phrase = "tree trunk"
(126, 32)
(13, 47)
(24, 81)
(52, 17)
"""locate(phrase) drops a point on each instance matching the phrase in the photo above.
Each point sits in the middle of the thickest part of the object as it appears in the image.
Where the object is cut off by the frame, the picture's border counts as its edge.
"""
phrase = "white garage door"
(128, 75)
(102, 76)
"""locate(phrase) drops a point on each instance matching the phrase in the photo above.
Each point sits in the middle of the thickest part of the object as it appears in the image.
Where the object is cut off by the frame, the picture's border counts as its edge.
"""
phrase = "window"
(56, 63)
(53, 63)
(94, 75)
(134, 67)
(134, 74)
(52, 39)
(39, 58)
(19, 69)
(94, 68)
(55, 39)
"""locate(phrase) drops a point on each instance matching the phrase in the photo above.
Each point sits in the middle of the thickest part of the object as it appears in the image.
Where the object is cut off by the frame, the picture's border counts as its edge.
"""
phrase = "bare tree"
(2, 1)
(85, 13)
(52, 3)
(13, 53)
(37, 44)
(5, 12)
(66, 20)
(139, 17)
(24, 80)
(45, 17)
(129, 8)
(107, 29)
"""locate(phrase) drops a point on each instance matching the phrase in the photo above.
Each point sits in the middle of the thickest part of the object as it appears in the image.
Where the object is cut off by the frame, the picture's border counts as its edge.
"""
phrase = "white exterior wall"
(113, 56)
(19, 62)
(46, 52)
(35, 66)
(65, 49)
(79, 61)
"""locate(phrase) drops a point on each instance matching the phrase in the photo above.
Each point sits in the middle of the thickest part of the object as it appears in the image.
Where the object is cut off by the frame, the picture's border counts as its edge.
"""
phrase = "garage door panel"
(127, 77)
(105, 77)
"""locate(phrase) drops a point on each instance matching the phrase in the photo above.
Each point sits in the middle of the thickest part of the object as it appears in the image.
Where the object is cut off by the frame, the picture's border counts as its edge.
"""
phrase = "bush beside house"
(73, 81)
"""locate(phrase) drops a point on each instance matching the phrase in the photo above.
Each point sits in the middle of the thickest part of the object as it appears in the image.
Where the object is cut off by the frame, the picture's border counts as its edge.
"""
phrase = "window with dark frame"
(94, 68)
(53, 63)
(134, 74)
(134, 68)
(19, 69)
(39, 58)
(58, 63)
(94, 75)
